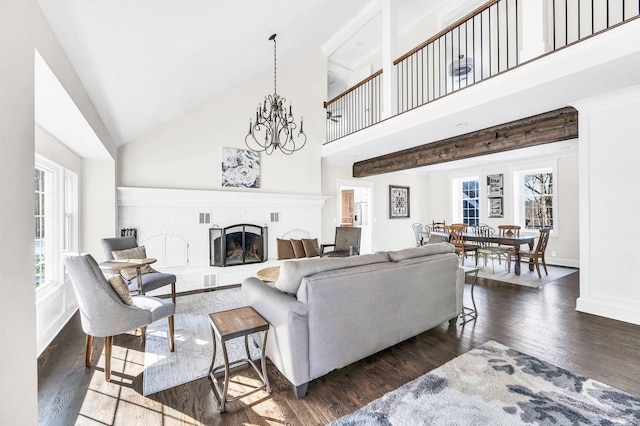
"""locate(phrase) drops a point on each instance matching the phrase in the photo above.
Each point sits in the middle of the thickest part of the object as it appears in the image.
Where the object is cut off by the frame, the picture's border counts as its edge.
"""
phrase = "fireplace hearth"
(237, 245)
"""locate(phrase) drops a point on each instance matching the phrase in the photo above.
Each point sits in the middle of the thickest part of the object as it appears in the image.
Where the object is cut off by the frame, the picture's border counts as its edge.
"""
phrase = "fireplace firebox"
(237, 245)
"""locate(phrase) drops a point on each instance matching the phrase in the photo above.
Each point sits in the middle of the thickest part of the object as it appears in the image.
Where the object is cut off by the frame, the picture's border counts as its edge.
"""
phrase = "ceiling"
(146, 62)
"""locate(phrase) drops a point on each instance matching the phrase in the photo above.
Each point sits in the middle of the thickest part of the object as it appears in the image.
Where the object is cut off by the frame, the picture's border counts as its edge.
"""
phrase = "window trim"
(517, 173)
(64, 221)
(457, 214)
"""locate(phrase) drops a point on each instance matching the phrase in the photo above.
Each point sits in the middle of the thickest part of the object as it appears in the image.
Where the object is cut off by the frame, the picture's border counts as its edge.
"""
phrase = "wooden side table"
(227, 325)
(119, 265)
(269, 274)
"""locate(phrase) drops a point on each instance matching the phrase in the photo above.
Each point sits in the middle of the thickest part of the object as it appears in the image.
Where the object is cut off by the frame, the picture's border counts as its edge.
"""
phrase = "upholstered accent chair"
(347, 243)
(151, 280)
(418, 233)
(104, 314)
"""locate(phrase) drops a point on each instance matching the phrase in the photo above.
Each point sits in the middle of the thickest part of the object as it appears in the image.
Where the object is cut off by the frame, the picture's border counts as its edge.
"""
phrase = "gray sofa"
(328, 313)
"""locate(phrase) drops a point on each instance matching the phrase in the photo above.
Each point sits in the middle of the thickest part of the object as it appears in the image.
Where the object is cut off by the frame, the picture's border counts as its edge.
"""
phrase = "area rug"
(193, 342)
(526, 278)
(496, 385)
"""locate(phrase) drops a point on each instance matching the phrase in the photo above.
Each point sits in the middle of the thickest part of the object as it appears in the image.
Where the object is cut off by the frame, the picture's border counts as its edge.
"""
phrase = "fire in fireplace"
(237, 245)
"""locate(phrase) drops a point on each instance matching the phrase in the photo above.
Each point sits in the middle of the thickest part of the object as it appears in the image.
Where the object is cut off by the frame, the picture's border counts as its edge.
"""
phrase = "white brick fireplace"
(170, 224)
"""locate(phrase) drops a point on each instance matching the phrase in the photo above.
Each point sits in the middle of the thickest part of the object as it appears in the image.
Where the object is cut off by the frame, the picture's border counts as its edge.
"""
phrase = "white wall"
(388, 234)
(609, 153)
(185, 153)
(23, 28)
(98, 204)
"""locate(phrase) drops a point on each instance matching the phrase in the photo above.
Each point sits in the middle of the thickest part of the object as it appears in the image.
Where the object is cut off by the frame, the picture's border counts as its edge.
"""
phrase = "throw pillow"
(285, 249)
(122, 290)
(132, 253)
(311, 247)
(298, 249)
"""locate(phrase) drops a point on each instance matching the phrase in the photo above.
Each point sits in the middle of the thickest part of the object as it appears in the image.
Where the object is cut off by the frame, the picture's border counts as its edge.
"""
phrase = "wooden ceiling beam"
(552, 126)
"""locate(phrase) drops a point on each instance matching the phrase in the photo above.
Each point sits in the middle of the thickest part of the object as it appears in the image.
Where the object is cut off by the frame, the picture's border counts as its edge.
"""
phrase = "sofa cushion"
(426, 250)
(293, 271)
(311, 247)
(132, 253)
(284, 249)
(298, 249)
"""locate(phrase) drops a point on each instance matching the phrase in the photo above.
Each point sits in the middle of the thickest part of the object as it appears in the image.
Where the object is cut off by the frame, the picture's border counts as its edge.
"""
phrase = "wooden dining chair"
(461, 247)
(537, 254)
(438, 226)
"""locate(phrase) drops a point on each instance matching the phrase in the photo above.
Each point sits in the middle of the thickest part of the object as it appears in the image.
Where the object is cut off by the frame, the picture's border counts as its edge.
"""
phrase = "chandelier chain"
(275, 68)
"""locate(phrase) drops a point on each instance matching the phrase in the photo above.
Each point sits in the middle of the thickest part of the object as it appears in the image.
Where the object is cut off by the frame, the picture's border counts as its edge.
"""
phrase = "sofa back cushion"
(426, 250)
(293, 271)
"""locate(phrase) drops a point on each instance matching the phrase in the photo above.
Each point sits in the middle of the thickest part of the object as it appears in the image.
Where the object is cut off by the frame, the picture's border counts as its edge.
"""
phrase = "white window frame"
(518, 173)
(61, 228)
(457, 215)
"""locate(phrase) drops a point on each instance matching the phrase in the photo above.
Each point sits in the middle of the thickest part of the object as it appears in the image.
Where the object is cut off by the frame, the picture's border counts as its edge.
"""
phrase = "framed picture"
(240, 168)
(398, 202)
(494, 185)
(495, 207)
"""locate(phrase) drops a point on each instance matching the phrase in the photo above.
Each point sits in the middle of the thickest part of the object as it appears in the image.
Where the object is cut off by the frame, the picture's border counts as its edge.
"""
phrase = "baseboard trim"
(608, 310)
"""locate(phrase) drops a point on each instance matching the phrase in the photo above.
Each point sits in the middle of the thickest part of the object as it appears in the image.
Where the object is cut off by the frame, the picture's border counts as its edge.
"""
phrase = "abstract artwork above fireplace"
(238, 245)
(240, 168)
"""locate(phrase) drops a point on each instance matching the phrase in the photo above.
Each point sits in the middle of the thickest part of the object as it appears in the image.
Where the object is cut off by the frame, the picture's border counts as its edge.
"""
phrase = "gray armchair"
(347, 243)
(104, 314)
(150, 281)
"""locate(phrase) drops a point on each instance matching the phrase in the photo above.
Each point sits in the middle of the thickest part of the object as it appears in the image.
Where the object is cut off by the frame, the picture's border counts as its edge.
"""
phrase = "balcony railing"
(493, 39)
(355, 108)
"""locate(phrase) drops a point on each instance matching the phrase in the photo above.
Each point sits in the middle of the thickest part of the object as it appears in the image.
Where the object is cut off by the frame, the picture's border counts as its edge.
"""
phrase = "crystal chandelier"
(274, 127)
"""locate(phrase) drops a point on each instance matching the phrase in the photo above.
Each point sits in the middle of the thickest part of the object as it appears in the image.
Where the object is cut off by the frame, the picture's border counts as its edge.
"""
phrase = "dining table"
(512, 241)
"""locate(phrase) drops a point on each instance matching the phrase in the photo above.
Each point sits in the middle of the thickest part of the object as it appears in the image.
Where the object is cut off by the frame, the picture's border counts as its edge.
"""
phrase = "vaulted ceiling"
(146, 62)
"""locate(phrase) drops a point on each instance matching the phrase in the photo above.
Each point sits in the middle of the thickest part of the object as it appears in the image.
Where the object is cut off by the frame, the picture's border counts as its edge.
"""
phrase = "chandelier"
(274, 127)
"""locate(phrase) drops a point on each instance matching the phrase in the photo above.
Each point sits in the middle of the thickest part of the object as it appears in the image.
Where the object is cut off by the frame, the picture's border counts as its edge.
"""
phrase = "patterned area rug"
(496, 385)
(193, 342)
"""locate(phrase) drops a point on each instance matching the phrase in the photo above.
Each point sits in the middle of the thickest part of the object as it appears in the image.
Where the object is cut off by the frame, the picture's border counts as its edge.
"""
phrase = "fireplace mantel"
(135, 196)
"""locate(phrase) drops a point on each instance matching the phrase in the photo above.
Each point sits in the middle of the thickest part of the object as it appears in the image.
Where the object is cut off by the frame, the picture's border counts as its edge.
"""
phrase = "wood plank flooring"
(541, 322)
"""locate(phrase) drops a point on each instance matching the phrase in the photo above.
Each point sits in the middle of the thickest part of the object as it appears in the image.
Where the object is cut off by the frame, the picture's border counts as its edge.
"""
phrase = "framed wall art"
(398, 202)
(494, 185)
(240, 168)
(495, 207)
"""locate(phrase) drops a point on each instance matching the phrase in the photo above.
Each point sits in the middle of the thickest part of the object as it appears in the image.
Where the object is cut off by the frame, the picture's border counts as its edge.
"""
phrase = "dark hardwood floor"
(541, 322)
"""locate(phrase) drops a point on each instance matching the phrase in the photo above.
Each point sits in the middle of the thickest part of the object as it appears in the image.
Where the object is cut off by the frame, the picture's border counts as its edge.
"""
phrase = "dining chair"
(151, 280)
(461, 246)
(537, 254)
(417, 232)
(104, 314)
(438, 226)
(487, 248)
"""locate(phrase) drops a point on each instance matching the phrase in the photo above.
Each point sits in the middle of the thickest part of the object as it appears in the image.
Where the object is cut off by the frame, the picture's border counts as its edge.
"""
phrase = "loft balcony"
(507, 60)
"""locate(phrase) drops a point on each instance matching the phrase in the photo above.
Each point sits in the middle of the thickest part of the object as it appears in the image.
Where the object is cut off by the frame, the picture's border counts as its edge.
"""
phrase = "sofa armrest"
(288, 338)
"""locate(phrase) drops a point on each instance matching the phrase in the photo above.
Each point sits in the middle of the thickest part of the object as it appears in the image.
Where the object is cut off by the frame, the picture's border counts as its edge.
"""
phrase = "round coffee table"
(269, 274)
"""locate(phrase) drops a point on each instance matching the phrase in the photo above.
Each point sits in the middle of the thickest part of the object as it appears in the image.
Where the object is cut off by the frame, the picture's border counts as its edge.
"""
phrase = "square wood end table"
(227, 325)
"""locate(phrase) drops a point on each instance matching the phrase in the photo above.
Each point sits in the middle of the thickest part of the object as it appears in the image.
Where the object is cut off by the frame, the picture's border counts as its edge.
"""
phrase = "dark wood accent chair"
(346, 243)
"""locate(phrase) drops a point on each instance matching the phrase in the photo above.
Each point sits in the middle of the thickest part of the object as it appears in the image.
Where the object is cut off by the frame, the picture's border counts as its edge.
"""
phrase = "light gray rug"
(495, 385)
(527, 278)
(193, 342)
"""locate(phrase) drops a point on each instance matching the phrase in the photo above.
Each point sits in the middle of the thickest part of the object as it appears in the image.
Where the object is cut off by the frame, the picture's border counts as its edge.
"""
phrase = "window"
(538, 200)
(56, 201)
(471, 202)
(536, 197)
(466, 200)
